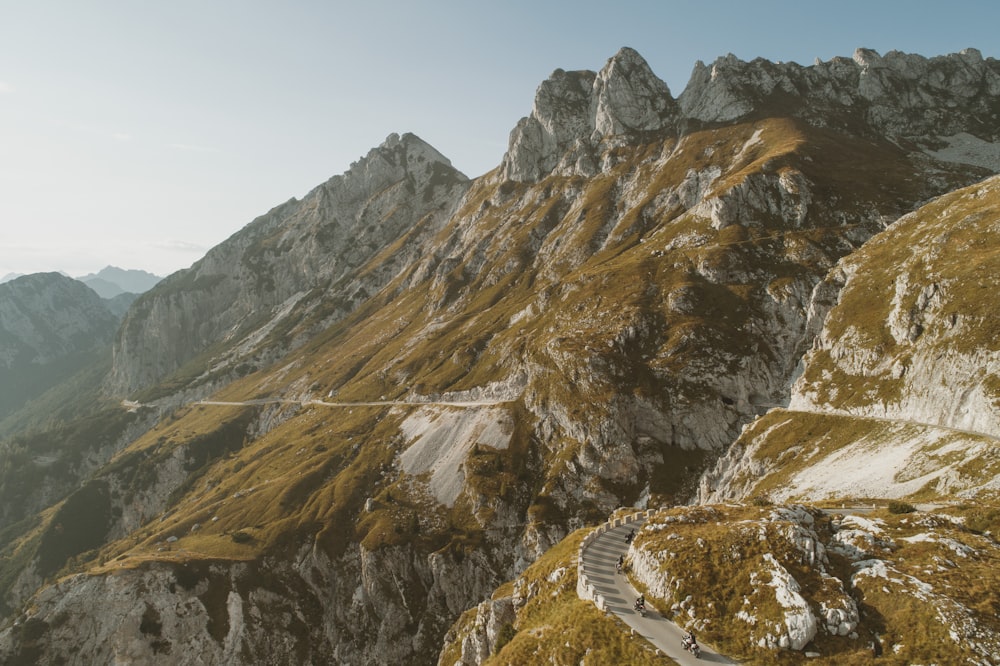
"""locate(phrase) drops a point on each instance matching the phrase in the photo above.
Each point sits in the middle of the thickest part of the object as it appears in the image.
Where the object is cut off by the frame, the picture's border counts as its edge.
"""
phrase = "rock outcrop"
(946, 104)
(908, 347)
(918, 339)
(776, 578)
(47, 316)
(578, 115)
(898, 95)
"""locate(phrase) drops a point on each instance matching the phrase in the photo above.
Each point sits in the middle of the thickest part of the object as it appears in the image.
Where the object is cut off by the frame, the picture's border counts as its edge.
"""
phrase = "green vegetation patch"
(80, 524)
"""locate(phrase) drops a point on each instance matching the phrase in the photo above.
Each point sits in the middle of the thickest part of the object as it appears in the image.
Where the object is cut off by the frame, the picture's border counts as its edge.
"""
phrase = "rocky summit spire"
(576, 113)
(628, 99)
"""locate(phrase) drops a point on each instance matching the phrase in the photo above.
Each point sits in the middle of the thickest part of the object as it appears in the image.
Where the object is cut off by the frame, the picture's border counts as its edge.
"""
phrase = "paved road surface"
(323, 403)
(599, 561)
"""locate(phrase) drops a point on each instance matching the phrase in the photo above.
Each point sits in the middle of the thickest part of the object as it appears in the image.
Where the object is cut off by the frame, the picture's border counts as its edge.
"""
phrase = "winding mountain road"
(886, 419)
(382, 403)
(599, 560)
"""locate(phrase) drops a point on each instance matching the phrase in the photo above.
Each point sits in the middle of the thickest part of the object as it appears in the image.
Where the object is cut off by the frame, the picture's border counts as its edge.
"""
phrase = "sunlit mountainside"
(339, 435)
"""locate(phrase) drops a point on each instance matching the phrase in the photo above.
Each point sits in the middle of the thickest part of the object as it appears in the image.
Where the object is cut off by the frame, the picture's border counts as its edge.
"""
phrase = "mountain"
(357, 417)
(51, 326)
(121, 303)
(10, 276)
(903, 378)
(302, 257)
(112, 281)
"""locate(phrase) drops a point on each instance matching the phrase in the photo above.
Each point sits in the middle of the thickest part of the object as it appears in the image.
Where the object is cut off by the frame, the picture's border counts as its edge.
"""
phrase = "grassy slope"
(385, 350)
(949, 242)
(555, 626)
(796, 450)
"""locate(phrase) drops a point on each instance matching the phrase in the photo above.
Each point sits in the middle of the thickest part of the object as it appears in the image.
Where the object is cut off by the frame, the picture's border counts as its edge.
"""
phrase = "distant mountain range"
(112, 281)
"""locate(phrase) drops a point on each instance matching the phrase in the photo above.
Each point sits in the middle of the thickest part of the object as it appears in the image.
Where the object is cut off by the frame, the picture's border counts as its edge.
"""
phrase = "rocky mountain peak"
(421, 383)
(628, 98)
(868, 58)
(933, 102)
(397, 158)
(712, 94)
(575, 114)
(47, 315)
(50, 326)
(259, 274)
(408, 151)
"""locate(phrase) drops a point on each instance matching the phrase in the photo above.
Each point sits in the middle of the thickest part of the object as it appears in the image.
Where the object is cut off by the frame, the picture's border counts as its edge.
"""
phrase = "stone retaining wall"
(584, 588)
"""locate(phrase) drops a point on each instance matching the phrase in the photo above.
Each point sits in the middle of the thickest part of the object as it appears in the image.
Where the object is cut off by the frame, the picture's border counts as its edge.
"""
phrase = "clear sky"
(140, 134)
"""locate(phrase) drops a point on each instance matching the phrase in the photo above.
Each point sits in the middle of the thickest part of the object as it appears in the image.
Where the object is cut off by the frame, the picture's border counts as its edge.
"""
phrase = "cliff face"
(423, 383)
(896, 332)
(790, 578)
(899, 95)
(234, 613)
(947, 105)
(576, 114)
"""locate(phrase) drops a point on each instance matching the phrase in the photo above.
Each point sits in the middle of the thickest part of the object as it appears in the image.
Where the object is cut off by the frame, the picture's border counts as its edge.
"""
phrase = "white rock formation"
(576, 112)
(439, 439)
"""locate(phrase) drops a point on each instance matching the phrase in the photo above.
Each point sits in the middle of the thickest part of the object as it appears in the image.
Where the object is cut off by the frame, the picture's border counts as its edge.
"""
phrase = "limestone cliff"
(946, 105)
(578, 115)
(777, 580)
(900, 95)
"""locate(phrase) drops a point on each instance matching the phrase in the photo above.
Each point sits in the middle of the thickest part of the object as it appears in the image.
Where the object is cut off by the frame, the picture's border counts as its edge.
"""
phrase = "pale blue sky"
(139, 134)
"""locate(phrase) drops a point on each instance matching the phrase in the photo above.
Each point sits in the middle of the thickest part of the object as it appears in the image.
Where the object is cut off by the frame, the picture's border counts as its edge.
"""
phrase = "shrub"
(897, 506)
(504, 636)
